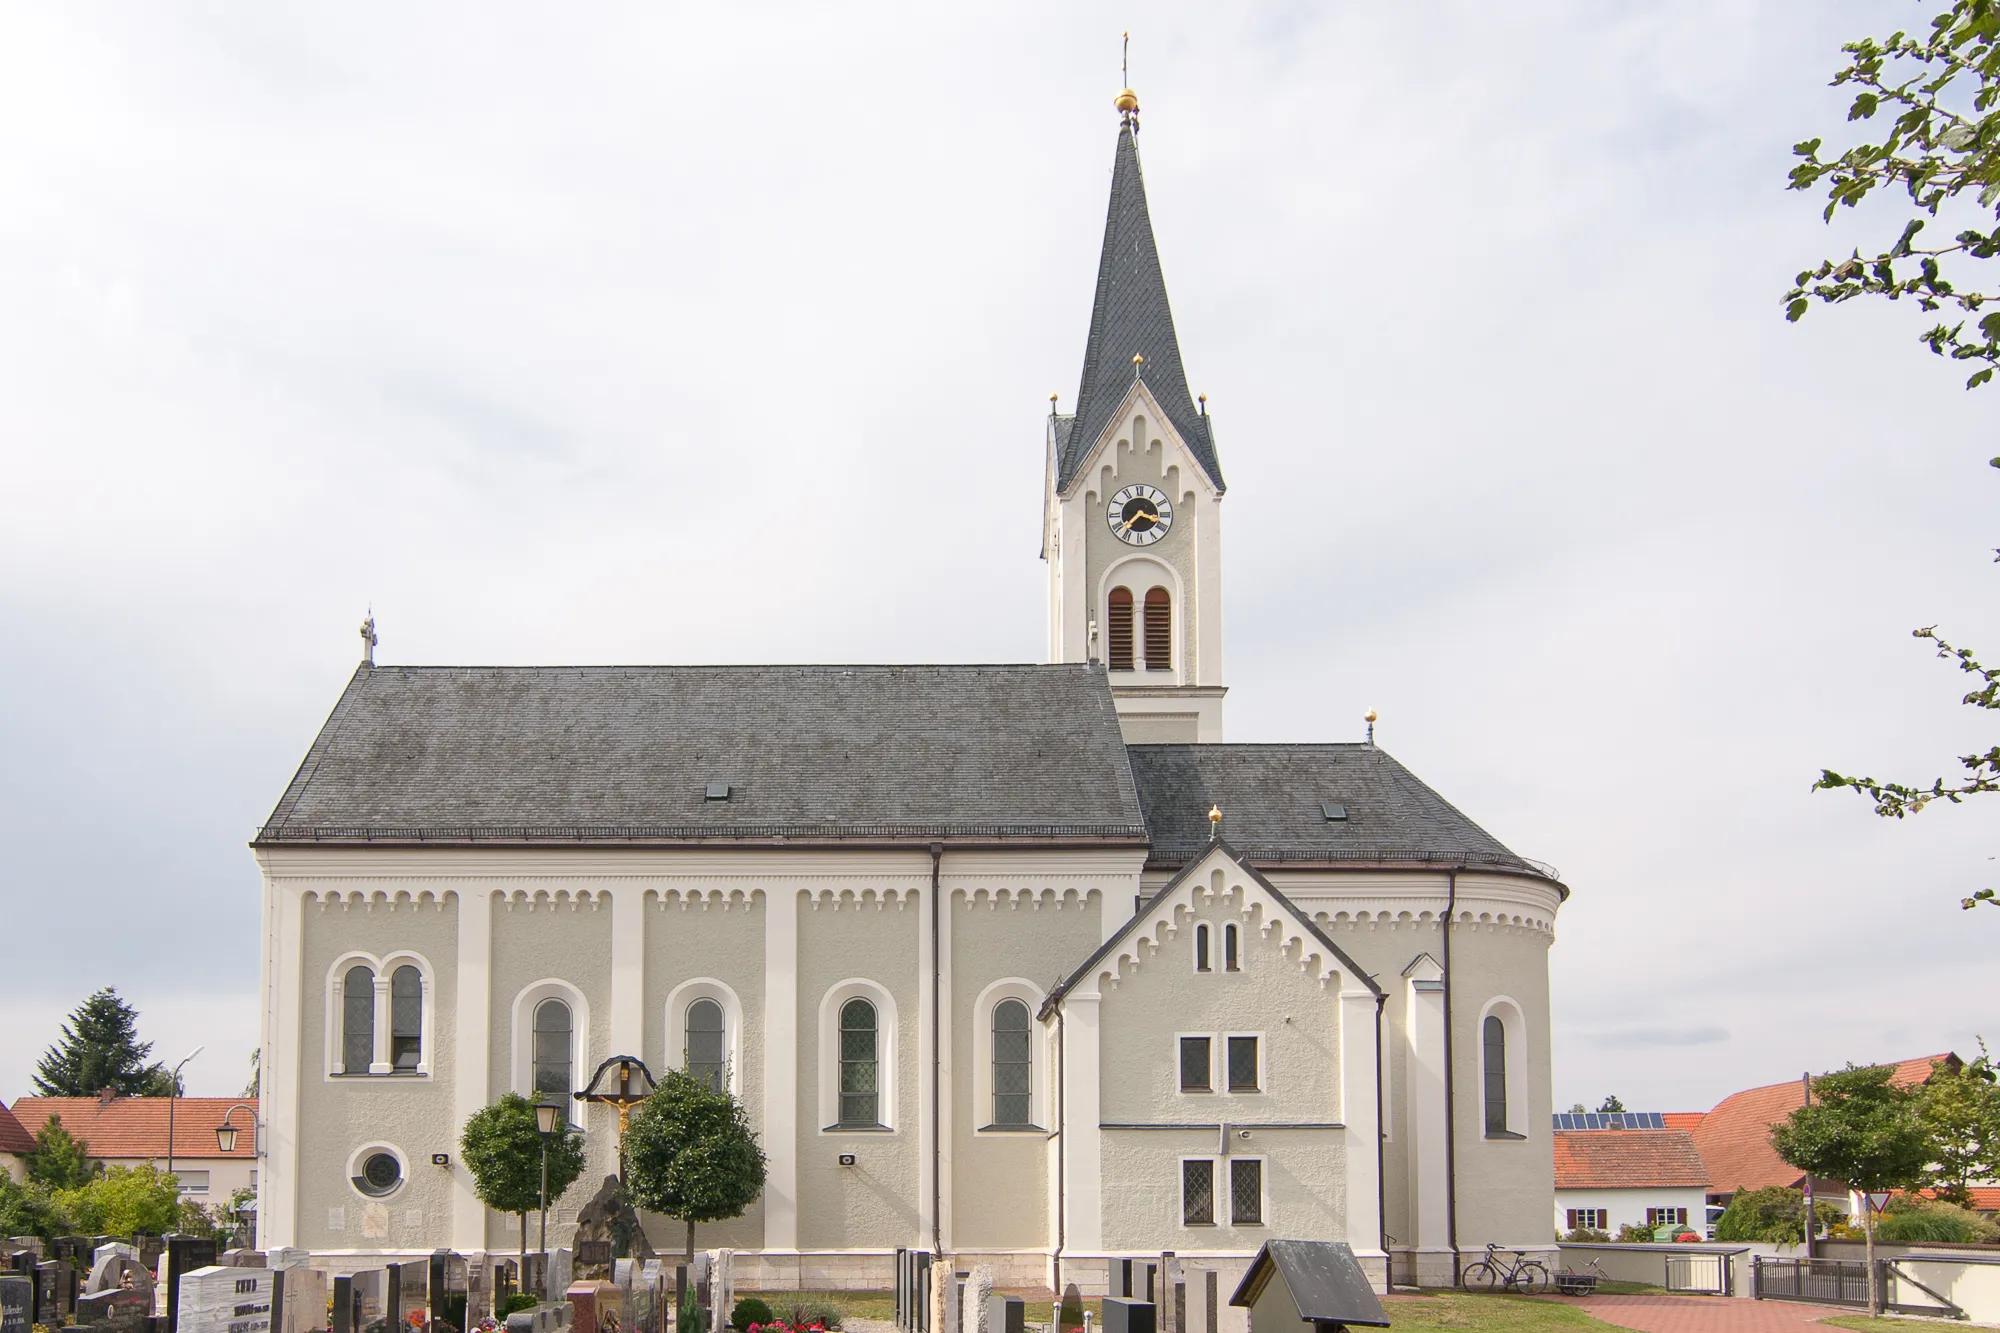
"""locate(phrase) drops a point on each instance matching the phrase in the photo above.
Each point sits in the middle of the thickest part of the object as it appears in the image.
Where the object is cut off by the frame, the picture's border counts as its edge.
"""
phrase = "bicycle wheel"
(1531, 1276)
(1481, 1276)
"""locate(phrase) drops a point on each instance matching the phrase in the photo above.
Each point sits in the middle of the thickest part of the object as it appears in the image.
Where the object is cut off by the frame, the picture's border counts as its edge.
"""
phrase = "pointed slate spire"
(1129, 318)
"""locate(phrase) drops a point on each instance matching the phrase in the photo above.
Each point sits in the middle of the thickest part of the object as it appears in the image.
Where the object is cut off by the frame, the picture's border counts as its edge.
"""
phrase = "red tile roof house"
(15, 1144)
(132, 1131)
(1735, 1138)
(1607, 1178)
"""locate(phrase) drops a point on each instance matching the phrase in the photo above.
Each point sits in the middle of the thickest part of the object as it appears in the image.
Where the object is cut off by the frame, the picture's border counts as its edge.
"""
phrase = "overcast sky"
(653, 336)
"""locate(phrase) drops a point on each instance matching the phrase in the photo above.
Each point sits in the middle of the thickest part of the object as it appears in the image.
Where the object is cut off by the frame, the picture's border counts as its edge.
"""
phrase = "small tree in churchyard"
(1959, 1106)
(59, 1160)
(1860, 1128)
(1776, 1214)
(690, 1153)
(503, 1150)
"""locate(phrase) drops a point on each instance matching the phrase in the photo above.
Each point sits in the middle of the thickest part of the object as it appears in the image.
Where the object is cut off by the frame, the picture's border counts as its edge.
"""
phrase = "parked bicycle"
(1505, 1270)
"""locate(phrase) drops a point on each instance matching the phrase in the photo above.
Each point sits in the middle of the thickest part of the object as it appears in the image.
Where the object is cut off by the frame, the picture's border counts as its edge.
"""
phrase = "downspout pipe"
(1450, 1093)
(937, 1055)
(1062, 1148)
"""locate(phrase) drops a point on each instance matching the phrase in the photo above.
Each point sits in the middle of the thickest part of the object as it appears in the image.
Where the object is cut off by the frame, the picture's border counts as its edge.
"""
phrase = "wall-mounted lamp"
(440, 1159)
(847, 1159)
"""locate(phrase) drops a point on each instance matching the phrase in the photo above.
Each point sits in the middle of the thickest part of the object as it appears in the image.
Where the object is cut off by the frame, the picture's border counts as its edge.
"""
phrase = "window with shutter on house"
(1159, 630)
(1118, 625)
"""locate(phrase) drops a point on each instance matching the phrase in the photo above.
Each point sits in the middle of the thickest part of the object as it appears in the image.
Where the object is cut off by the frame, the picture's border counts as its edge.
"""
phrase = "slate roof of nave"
(623, 754)
(1129, 315)
(1271, 800)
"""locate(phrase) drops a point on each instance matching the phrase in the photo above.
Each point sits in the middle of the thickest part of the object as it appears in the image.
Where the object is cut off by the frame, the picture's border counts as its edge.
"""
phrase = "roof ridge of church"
(1130, 316)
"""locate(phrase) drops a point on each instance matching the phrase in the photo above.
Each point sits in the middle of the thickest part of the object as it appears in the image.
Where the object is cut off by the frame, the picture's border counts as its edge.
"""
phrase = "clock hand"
(1136, 517)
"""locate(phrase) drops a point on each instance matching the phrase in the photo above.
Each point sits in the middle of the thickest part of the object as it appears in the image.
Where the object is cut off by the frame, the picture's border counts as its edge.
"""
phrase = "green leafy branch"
(1936, 153)
(1895, 799)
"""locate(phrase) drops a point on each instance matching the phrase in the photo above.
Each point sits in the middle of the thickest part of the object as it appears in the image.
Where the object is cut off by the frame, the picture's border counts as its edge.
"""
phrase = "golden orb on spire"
(1127, 101)
(1369, 716)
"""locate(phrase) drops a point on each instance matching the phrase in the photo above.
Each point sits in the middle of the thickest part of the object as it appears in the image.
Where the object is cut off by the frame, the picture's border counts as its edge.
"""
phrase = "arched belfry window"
(1201, 947)
(705, 1043)
(357, 1020)
(555, 1075)
(1231, 962)
(860, 1091)
(1119, 630)
(1496, 1077)
(1013, 1073)
(1159, 630)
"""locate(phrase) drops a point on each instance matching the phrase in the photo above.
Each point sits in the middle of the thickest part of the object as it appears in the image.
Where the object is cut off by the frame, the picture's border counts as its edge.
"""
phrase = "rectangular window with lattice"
(1246, 1191)
(1243, 1064)
(1197, 1192)
(1195, 1062)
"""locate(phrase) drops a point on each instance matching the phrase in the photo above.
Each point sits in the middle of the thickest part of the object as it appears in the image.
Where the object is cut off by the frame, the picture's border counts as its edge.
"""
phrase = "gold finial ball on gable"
(1369, 716)
(1215, 814)
(1138, 360)
(1127, 101)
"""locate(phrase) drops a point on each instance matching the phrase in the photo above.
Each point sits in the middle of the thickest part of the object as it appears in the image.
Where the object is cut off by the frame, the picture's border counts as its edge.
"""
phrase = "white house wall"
(1629, 1206)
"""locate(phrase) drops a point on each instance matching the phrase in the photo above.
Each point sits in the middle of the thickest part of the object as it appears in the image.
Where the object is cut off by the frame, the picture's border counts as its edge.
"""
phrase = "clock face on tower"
(1140, 515)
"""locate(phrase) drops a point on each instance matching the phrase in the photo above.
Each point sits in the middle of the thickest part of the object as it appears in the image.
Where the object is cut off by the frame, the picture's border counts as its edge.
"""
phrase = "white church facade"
(1023, 964)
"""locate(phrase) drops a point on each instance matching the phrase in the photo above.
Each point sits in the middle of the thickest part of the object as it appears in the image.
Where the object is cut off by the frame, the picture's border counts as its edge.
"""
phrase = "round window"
(380, 1174)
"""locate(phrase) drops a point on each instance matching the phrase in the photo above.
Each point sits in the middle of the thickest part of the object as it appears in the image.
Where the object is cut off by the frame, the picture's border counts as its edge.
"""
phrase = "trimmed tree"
(1774, 1214)
(503, 1151)
(59, 1160)
(1863, 1129)
(690, 1153)
(100, 1048)
(1960, 1109)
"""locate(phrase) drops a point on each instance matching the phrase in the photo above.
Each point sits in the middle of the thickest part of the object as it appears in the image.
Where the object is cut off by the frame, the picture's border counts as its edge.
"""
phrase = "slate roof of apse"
(136, 1127)
(1270, 797)
(14, 1136)
(1735, 1138)
(1618, 1159)
(1130, 315)
(621, 754)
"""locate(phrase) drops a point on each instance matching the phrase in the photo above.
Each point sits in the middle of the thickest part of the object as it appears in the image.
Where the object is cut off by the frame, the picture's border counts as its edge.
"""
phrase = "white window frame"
(1216, 1199)
(362, 1154)
(1028, 993)
(1263, 1222)
(708, 988)
(384, 967)
(1213, 1084)
(1263, 1075)
(887, 1026)
(1515, 1029)
(186, 1184)
(525, 1003)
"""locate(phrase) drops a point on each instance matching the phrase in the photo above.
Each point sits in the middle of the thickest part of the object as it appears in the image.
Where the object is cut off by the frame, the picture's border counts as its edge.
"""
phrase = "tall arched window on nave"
(555, 1072)
(1496, 1076)
(705, 1044)
(406, 1018)
(860, 1092)
(1013, 1077)
(357, 1020)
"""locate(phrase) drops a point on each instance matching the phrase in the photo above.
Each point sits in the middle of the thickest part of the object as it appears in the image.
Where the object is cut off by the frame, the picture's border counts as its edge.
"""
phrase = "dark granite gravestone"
(1124, 1315)
(535, 1277)
(447, 1290)
(22, 1262)
(48, 1293)
(184, 1254)
(17, 1304)
(392, 1295)
(1006, 1314)
(117, 1309)
(506, 1281)
(152, 1250)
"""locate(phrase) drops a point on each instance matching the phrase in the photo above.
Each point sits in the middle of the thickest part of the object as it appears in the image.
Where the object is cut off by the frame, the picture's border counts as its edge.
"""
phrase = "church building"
(1022, 964)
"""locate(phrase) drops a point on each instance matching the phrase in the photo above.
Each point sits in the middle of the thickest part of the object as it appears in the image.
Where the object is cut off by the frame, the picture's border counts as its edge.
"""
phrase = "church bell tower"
(1132, 515)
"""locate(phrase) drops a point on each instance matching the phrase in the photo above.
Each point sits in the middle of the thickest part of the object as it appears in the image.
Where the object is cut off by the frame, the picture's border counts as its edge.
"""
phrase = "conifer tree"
(100, 1048)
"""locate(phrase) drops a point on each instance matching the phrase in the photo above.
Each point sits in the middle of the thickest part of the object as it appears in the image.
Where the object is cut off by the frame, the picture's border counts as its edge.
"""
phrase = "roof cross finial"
(1127, 101)
(1214, 822)
(1369, 718)
(368, 639)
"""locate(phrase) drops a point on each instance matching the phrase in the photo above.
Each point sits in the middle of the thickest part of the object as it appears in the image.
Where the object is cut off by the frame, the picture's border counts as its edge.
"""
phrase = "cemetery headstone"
(226, 1299)
(301, 1300)
(506, 1281)
(114, 1272)
(17, 1304)
(596, 1307)
(184, 1254)
(1006, 1314)
(48, 1294)
(978, 1291)
(152, 1250)
(1122, 1314)
(1212, 1283)
(610, 1217)
(393, 1287)
(243, 1259)
(535, 1277)
(120, 1309)
(1172, 1306)
(1071, 1314)
(560, 1274)
(102, 1255)
(287, 1256)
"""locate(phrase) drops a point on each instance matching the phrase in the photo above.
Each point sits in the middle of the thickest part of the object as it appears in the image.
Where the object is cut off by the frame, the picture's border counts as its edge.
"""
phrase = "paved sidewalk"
(1702, 1314)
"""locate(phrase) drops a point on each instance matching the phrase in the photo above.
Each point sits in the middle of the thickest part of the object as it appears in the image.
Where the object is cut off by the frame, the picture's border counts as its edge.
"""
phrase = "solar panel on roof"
(1578, 1120)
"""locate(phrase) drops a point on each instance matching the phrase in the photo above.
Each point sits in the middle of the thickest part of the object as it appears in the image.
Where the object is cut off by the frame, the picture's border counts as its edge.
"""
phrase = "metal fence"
(1703, 1274)
(1825, 1281)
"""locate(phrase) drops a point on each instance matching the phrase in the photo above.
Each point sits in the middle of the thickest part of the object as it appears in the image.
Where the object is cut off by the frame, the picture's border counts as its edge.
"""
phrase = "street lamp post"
(225, 1141)
(173, 1091)
(548, 1119)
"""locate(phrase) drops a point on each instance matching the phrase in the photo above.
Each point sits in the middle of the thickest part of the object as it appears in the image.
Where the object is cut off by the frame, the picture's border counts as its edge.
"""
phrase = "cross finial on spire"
(1127, 101)
(368, 639)
(1214, 822)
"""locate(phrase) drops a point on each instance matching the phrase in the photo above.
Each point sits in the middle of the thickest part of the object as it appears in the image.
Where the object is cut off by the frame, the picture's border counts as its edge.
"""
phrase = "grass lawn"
(1867, 1325)
(1487, 1314)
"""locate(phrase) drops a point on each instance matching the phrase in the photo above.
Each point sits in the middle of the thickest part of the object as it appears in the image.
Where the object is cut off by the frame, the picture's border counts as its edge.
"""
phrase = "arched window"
(555, 1076)
(1013, 1076)
(1201, 947)
(860, 1096)
(1496, 1077)
(705, 1050)
(1230, 961)
(1120, 630)
(406, 1018)
(1159, 630)
(357, 1020)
